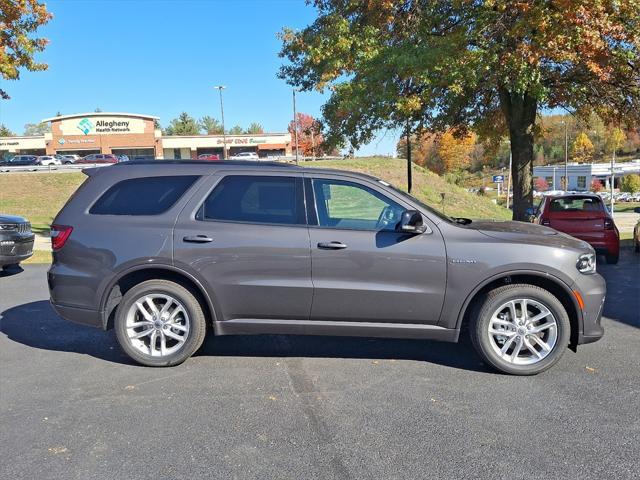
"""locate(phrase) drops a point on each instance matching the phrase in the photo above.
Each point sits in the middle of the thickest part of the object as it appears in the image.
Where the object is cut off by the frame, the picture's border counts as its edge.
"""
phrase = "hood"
(522, 232)
(11, 219)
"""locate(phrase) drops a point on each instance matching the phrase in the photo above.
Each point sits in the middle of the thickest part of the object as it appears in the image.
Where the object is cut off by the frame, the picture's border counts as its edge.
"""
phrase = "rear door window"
(143, 196)
(256, 199)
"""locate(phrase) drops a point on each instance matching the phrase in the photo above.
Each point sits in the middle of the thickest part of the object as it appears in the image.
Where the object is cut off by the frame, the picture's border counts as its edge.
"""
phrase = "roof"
(101, 114)
(244, 164)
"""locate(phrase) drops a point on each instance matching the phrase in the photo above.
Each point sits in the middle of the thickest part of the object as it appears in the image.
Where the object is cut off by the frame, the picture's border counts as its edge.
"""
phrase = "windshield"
(413, 199)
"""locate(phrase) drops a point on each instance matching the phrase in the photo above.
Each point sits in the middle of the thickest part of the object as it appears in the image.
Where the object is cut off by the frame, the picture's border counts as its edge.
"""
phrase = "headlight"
(586, 263)
(5, 227)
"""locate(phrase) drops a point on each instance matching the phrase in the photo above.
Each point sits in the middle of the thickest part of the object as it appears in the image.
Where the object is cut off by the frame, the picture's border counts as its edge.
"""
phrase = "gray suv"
(160, 250)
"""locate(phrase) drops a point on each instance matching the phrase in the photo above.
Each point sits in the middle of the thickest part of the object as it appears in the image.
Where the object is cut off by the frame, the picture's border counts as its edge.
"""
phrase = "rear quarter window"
(576, 204)
(143, 196)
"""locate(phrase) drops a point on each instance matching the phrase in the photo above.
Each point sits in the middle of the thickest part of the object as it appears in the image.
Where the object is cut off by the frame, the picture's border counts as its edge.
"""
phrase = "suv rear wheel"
(521, 329)
(160, 323)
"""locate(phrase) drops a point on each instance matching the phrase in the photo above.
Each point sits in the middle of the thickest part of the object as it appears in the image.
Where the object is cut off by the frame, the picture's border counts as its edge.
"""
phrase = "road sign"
(498, 179)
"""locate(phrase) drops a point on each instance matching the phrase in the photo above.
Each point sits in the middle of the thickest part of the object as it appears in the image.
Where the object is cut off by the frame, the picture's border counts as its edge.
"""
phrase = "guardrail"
(80, 166)
(50, 168)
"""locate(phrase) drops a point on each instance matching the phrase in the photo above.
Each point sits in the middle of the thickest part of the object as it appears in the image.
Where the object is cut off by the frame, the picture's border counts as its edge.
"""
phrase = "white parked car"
(245, 156)
(70, 158)
(46, 160)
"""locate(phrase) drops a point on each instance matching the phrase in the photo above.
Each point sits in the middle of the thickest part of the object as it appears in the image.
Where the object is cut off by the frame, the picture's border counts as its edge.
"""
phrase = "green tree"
(236, 130)
(37, 128)
(630, 183)
(211, 126)
(18, 22)
(255, 129)
(183, 125)
(582, 148)
(614, 140)
(5, 132)
(489, 65)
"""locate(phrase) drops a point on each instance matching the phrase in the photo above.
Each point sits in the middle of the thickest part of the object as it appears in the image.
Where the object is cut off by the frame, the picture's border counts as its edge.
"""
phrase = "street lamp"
(224, 132)
(566, 156)
(295, 124)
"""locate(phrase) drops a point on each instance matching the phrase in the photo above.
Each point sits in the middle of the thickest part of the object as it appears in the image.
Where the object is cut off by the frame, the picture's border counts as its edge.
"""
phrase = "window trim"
(198, 217)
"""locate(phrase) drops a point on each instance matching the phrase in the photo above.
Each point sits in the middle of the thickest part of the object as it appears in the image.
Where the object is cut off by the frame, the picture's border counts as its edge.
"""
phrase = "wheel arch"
(135, 275)
(554, 285)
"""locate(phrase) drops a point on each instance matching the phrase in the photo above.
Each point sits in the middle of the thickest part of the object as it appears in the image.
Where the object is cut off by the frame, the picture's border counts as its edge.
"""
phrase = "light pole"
(295, 124)
(566, 156)
(224, 132)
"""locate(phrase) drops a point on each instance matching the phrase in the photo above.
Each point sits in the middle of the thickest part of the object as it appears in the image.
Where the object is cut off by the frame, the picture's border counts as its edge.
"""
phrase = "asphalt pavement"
(72, 406)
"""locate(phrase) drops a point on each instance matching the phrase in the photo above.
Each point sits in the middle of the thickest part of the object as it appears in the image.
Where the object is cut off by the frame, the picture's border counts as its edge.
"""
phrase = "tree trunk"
(520, 113)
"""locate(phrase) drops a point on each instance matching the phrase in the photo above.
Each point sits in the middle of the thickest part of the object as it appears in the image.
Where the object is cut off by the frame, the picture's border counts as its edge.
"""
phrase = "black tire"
(612, 259)
(479, 326)
(197, 329)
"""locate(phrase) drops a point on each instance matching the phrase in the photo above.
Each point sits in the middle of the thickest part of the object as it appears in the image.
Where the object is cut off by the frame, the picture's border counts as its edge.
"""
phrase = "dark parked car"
(20, 160)
(159, 250)
(16, 240)
(99, 158)
(583, 216)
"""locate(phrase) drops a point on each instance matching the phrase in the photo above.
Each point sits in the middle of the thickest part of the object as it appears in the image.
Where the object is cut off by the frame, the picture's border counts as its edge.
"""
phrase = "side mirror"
(411, 222)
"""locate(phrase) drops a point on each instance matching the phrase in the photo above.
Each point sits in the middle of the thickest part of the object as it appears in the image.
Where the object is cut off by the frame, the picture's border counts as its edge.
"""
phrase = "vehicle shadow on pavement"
(623, 289)
(36, 325)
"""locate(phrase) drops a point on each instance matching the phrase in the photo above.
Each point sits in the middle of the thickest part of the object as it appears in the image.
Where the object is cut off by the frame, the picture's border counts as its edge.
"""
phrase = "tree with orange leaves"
(488, 65)
(18, 21)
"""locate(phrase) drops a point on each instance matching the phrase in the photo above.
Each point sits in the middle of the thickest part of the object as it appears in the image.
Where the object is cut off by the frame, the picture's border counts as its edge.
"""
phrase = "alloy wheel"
(523, 331)
(157, 325)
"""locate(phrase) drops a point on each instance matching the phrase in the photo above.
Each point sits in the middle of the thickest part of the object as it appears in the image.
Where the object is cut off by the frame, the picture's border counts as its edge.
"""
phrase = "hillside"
(39, 196)
(427, 186)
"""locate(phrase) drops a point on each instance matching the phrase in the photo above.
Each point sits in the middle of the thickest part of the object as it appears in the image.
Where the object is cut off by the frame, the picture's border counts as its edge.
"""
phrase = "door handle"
(197, 239)
(331, 245)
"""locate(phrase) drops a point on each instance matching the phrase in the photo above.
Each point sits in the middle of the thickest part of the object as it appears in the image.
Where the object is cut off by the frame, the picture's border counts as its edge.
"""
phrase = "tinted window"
(352, 206)
(142, 196)
(256, 199)
(576, 204)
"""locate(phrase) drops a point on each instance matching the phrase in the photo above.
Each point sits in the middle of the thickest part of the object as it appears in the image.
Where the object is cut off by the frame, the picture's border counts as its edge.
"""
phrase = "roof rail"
(212, 163)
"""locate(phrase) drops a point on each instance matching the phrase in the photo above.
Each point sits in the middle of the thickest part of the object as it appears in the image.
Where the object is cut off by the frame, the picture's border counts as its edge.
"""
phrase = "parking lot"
(73, 406)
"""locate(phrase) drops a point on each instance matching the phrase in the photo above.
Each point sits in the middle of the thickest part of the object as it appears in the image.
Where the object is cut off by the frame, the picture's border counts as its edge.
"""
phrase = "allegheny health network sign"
(102, 125)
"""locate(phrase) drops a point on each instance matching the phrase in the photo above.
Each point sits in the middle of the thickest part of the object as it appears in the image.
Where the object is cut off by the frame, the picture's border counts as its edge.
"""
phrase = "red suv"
(99, 158)
(583, 216)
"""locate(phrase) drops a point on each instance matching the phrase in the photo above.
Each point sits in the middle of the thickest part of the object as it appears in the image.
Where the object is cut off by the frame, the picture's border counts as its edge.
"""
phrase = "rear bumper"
(604, 243)
(83, 316)
(593, 290)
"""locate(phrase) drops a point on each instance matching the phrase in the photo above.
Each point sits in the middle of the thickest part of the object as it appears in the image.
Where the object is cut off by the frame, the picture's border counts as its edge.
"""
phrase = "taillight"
(608, 224)
(545, 221)
(59, 235)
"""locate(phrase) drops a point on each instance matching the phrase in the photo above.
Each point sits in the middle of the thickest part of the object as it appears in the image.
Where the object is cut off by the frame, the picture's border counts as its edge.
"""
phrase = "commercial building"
(582, 174)
(136, 135)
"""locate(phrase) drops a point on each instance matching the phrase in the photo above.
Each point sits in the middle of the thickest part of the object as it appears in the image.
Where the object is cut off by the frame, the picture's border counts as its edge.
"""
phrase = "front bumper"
(15, 250)
(593, 290)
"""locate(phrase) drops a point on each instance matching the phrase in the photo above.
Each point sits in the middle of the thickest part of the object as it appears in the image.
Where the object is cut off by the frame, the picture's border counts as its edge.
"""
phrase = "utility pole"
(613, 162)
(295, 124)
(224, 132)
(409, 179)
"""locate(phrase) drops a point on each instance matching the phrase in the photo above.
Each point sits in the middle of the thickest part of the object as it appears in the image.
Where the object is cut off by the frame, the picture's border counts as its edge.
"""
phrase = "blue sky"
(162, 58)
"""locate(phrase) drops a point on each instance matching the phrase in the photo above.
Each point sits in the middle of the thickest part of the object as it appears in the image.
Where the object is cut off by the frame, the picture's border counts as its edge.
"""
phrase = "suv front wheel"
(521, 329)
(160, 323)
